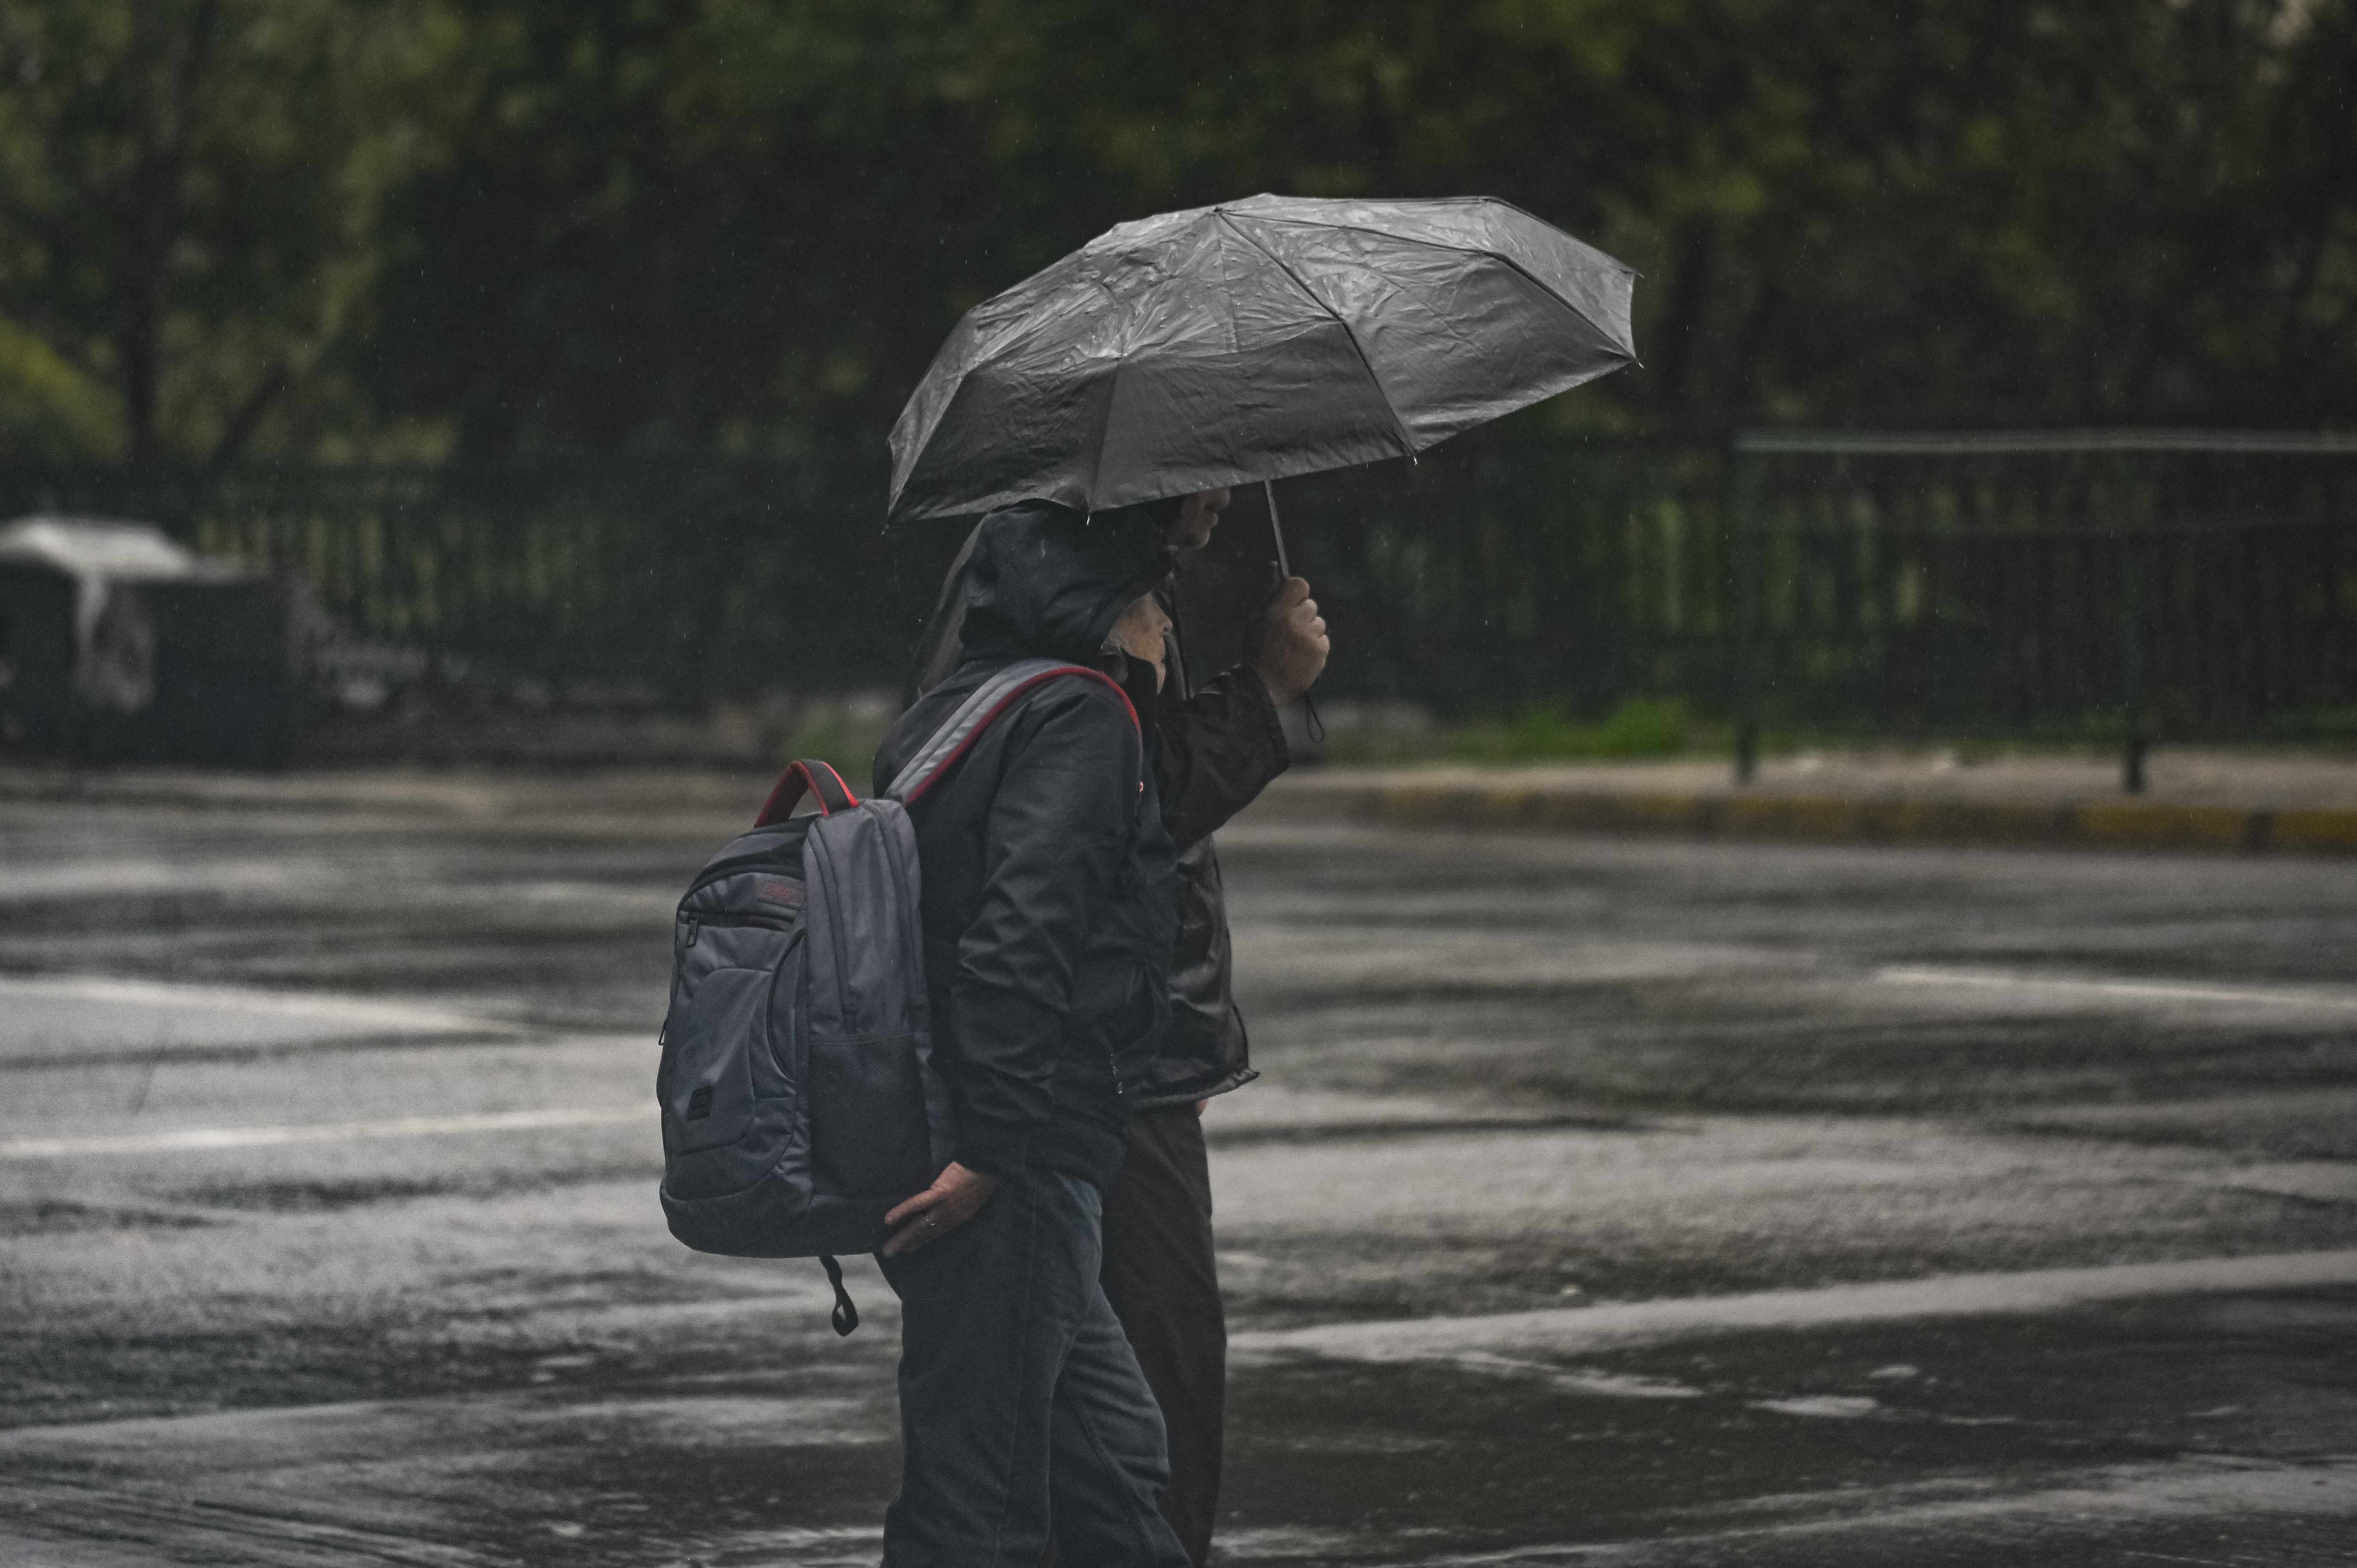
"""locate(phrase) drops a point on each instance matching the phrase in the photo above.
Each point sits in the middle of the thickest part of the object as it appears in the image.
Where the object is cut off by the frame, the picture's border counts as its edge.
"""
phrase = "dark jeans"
(1022, 1409)
(1159, 1275)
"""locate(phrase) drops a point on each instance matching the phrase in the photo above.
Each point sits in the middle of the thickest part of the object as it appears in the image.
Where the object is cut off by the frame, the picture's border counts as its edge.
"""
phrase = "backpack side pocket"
(720, 1072)
(870, 1133)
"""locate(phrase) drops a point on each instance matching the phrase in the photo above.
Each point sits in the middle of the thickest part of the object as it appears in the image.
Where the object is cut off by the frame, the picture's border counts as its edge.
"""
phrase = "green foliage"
(504, 226)
(189, 202)
(50, 410)
(1544, 733)
(844, 732)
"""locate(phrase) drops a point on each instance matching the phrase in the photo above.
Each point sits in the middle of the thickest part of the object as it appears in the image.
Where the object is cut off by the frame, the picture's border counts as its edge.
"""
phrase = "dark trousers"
(1164, 1286)
(1022, 1409)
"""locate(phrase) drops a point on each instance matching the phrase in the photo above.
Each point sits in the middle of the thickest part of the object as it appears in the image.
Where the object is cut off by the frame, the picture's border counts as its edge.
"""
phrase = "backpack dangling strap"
(978, 711)
(823, 782)
(846, 1316)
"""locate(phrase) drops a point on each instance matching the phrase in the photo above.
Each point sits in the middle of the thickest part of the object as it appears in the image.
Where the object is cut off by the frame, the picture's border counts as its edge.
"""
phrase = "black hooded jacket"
(1051, 901)
(1215, 747)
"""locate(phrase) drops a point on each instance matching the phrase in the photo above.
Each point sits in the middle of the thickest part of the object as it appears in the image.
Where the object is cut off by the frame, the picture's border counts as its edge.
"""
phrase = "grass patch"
(1546, 733)
(844, 731)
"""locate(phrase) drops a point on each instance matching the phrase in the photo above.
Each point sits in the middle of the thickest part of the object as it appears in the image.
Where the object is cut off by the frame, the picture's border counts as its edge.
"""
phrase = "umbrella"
(1249, 341)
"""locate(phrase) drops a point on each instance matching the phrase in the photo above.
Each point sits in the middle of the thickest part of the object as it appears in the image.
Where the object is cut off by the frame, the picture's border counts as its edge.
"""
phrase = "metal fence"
(2144, 583)
(690, 578)
(2137, 584)
(1490, 576)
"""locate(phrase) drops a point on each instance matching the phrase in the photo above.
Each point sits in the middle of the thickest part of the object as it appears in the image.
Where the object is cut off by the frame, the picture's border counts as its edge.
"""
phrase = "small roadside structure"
(118, 643)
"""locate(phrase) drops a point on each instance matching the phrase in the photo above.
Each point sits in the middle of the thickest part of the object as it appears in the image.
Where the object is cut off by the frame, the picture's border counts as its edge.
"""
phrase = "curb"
(1815, 819)
(2149, 825)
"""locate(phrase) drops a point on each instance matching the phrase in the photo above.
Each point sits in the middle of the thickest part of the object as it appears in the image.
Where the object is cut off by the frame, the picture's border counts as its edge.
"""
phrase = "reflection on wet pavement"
(1603, 1202)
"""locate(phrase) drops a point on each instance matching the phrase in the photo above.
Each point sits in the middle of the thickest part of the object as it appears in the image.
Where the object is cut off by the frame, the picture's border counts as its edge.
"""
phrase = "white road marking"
(1981, 1521)
(1335, 952)
(346, 1011)
(1573, 1331)
(1602, 1385)
(2319, 1181)
(2125, 990)
(1829, 1407)
(98, 878)
(188, 1139)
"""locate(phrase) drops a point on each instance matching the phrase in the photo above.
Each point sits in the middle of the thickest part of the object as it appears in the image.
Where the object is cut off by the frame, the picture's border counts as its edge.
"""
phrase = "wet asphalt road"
(1604, 1201)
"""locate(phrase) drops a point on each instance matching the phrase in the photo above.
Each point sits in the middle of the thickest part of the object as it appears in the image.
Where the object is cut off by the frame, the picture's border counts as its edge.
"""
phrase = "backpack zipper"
(695, 923)
(773, 865)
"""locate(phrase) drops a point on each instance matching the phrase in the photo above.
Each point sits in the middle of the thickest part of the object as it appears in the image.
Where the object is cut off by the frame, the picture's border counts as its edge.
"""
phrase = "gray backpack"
(800, 1102)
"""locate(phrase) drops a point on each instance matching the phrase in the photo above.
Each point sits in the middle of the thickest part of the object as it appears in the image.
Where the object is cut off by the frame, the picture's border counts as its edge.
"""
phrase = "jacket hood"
(1042, 580)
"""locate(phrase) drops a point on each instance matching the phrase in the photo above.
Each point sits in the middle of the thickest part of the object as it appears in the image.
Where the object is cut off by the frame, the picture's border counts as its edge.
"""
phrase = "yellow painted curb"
(1465, 805)
(1321, 803)
(2102, 824)
(1774, 816)
(2145, 825)
(1594, 811)
(2327, 831)
(1965, 821)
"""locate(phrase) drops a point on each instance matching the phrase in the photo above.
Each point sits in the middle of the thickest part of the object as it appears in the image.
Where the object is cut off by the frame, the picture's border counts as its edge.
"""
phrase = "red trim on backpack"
(790, 785)
(849, 794)
(992, 717)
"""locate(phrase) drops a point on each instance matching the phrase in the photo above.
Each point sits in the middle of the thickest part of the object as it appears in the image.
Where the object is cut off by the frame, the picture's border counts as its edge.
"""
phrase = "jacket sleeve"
(1053, 846)
(1218, 750)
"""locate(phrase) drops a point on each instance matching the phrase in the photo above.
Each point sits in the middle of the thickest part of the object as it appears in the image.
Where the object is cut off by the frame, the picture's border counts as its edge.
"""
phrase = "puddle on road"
(623, 1476)
(1553, 1450)
(1534, 1458)
(1328, 1462)
(52, 1216)
(330, 1195)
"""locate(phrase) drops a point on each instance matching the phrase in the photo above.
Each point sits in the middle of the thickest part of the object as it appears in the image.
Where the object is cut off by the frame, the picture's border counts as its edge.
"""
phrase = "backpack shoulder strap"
(822, 781)
(977, 713)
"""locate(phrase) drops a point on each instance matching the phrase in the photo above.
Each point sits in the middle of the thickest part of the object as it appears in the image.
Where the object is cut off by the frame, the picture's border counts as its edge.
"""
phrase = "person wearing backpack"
(1048, 911)
(1217, 746)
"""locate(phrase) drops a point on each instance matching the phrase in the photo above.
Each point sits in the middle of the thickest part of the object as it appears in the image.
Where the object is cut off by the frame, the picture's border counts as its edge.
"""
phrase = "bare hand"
(956, 1196)
(1294, 644)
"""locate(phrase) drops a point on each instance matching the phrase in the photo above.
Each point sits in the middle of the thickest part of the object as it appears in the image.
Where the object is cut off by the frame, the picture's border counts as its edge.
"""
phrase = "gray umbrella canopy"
(1253, 340)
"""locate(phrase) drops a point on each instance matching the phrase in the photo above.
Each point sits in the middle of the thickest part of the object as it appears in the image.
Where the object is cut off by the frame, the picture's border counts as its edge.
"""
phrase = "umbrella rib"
(1407, 441)
(1105, 428)
(1499, 256)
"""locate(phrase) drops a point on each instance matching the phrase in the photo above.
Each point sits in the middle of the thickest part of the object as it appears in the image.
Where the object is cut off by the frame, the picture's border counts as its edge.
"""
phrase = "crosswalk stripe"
(2125, 990)
(346, 1011)
(1571, 1331)
(185, 1139)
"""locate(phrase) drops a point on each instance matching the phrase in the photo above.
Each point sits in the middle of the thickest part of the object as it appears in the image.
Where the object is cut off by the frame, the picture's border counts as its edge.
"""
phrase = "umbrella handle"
(1283, 570)
(1276, 531)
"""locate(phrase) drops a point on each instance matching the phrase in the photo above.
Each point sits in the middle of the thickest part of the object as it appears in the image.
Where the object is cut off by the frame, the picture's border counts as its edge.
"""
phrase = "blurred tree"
(671, 225)
(2007, 212)
(186, 200)
(699, 225)
(1959, 211)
